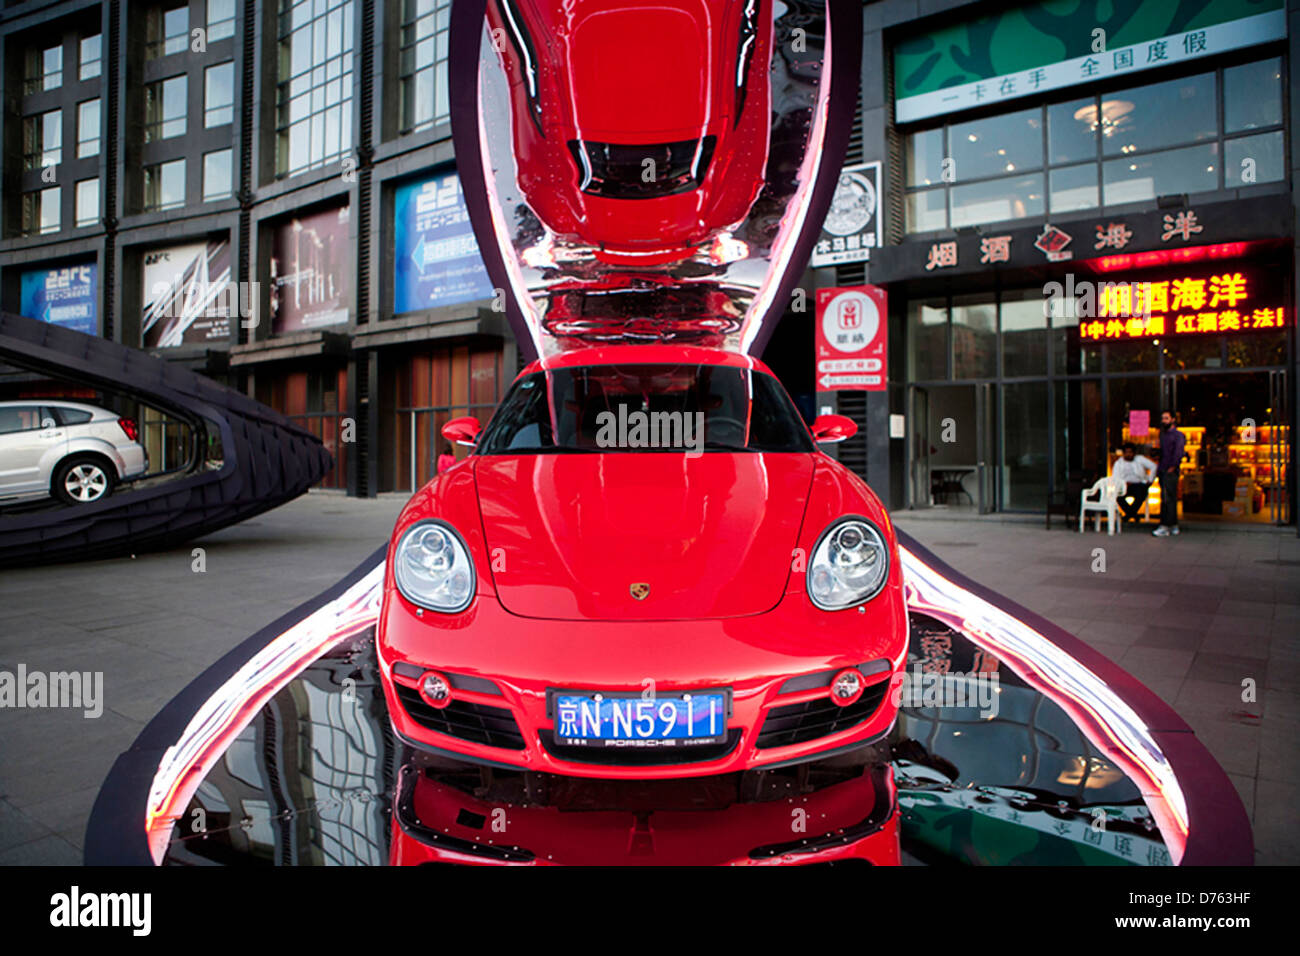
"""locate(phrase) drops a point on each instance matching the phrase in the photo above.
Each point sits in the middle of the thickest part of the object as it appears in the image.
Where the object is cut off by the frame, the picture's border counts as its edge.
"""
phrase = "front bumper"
(777, 666)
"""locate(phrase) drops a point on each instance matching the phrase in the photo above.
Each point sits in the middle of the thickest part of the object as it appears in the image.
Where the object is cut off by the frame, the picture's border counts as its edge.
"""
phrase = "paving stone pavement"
(151, 624)
(1191, 617)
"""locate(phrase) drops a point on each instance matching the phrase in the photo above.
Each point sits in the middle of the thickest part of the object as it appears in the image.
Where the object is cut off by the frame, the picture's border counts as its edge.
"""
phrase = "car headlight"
(433, 569)
(849, 565)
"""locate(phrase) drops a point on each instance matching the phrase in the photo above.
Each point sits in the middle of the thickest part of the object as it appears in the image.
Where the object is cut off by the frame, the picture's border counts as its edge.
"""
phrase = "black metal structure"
(266, 460)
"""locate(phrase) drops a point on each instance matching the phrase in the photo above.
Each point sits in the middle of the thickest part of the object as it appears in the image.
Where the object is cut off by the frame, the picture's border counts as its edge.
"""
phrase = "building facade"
(262, 192)
(1082, 214)
(1087, 217)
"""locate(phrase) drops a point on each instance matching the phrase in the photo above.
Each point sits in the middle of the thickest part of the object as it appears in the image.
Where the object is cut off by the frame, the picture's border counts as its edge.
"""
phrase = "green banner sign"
(1055, 44)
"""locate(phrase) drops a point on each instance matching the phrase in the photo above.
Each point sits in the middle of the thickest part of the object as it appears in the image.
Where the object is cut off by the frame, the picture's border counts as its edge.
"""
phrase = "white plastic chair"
(1102, 498)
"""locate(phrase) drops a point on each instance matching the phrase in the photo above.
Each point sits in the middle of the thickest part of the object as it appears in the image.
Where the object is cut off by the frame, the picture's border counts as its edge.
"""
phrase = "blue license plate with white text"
(673, 720)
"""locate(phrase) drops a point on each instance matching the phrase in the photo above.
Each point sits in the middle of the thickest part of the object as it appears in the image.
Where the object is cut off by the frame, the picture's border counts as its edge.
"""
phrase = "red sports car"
(644, 569)
(641, 130)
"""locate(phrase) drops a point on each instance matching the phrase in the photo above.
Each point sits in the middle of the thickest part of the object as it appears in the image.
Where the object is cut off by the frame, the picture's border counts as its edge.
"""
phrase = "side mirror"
(827, 429)
(463, 431)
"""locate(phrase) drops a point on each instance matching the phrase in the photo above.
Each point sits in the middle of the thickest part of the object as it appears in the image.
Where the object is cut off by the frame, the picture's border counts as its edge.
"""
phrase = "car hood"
(575, 537)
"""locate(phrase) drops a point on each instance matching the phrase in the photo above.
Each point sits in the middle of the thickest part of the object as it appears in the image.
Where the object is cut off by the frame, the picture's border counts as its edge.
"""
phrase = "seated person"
(1137, 472)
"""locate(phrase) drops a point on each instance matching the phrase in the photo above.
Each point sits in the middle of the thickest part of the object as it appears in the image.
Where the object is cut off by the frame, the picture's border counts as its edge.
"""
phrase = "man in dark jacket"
(1172, 443)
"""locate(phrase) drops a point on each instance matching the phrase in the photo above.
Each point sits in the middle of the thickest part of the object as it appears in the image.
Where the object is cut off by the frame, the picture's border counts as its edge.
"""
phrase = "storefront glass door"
(1237, 428)
(946, 441)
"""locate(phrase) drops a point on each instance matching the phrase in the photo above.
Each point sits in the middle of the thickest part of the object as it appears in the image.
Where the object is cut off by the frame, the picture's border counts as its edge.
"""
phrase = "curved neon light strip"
(227, 712)
(1109, 722)
(1103, 716)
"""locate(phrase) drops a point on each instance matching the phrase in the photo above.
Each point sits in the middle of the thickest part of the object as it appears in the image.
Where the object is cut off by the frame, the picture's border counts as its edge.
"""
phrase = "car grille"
(798, 723)
(477, 723)
(637, 757)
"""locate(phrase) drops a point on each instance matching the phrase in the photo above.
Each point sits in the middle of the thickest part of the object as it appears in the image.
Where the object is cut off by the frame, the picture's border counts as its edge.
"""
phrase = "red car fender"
(450, 497)
(834, 493)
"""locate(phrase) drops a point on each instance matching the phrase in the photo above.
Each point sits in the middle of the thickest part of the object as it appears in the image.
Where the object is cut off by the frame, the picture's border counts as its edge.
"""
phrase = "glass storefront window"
(966, 334)
(927, 211)
(997, 145)
(1252, 95)
(1154, 140)
(1074, 187)
(1071, 139)
(1160, 114)
(1193, 352)
(1026, 448)
(1078, 445)
(1067, 357)
(974, 337)
(997, 200)
(1024, 334)
(1193, 169)
(925, 155)
(1258, 349)
(927, 341)
(1124, 395)
(1253, 159)
(1142, 355)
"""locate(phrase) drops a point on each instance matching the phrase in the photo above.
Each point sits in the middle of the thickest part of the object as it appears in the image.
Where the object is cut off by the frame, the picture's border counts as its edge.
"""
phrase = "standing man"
(1137, 472)
(1172, 443)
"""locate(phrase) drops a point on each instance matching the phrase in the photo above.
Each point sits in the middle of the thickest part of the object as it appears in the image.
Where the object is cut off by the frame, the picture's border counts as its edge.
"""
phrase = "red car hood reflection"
(711, 536)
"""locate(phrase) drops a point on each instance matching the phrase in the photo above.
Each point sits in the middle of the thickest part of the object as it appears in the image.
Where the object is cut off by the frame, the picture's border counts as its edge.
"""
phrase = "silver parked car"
(76, 453)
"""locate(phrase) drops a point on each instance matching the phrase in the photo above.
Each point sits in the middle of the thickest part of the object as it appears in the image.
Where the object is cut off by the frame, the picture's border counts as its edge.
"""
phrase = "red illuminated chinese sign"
(1227, 301)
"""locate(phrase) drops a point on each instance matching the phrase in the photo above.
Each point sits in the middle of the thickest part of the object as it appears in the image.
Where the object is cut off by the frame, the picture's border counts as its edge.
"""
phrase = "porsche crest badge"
(639, 590)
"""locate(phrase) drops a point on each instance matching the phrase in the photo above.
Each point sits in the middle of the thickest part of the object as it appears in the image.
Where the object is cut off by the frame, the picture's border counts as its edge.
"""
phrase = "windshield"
(646, 408)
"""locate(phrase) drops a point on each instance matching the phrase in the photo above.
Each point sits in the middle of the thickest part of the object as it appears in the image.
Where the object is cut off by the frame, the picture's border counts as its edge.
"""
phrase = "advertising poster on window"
(851, 339)
(67, 297)
(311, 279)
(850, 229)
(186, 295)
(437, 256)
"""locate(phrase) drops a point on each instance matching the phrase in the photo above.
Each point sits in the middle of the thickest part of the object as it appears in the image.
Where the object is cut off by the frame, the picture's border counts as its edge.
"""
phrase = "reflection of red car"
(645, 569)
(641, 130)
(838, 811)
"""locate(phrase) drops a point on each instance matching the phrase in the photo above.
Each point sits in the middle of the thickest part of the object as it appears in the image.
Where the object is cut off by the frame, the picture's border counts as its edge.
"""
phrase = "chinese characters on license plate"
(637, 721)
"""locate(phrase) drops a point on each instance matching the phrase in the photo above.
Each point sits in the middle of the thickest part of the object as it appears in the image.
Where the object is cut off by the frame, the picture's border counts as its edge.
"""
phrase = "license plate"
(674, 720)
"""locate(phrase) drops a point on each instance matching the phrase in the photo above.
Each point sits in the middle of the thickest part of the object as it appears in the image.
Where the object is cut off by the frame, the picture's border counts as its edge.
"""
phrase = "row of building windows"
(167, 28)
(43, 136)
(314, 93)
(1194, 134)
(45, 65)
(42, 208)
(164, 188)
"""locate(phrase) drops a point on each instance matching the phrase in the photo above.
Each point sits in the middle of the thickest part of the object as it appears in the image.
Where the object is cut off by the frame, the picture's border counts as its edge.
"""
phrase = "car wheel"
(79, 481)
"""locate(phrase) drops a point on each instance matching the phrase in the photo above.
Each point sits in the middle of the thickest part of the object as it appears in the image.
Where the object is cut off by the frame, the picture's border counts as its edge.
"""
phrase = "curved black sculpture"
(266, 459)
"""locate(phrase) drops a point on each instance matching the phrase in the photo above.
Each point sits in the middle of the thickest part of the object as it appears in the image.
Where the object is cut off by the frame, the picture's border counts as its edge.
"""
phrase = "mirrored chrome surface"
(727, 121)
